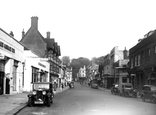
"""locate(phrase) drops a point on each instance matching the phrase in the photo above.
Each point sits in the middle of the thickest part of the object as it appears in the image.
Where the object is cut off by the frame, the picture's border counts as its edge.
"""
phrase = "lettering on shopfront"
(40, 64)
(7, 47)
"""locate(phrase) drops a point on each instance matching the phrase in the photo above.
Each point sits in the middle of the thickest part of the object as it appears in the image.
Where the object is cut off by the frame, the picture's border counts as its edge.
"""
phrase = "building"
(44, 48)
(11, 64)
(109, 68)
(35, 70)
(143, 61)
(106, 77)
(82, 72)
(92, 71)
(69, 77)
(121, 69)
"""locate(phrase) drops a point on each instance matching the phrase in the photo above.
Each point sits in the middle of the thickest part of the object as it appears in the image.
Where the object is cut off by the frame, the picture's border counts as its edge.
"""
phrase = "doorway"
(7, 86)
(1, 82)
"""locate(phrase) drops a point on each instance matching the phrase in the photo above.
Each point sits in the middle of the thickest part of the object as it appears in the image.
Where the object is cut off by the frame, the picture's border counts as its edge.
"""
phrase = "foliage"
(66, 60)
(76, 64)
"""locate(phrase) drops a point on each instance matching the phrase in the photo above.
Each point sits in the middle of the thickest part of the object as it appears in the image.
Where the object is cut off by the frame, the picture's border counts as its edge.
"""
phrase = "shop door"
(7, 86)
(1, 82)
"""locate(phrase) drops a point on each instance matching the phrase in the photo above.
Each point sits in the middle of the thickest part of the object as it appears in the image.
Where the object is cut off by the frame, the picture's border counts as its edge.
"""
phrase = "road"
(83, 100)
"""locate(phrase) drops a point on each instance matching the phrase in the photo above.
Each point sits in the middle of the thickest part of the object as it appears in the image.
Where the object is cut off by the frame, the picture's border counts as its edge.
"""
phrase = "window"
(131, 62)
(124, 79)
(138, 60)
(154, 53)
(149, 52)
(34, 74)
(135, 61)
(148, 55)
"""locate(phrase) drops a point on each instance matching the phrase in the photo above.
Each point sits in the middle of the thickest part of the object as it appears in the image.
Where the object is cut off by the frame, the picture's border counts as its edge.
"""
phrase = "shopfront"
(35, 70)
(11, 67)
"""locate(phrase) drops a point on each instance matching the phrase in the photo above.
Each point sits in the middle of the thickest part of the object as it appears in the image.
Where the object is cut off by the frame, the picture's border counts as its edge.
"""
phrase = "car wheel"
(48, 102)
(29, 102)
(153, 100)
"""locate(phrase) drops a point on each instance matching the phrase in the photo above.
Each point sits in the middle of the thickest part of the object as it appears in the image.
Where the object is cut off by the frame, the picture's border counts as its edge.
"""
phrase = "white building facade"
(11, 64)
(35, 70)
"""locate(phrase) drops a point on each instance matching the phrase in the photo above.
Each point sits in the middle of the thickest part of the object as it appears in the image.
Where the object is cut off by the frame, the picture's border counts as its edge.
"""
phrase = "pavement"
(12, 104)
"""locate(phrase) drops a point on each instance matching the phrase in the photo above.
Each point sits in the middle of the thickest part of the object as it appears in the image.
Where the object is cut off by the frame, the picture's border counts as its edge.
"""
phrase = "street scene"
(82, 57)
(84, 100)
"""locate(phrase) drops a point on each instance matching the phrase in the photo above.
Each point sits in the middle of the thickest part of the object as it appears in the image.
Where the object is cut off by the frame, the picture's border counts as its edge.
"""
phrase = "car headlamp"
(44, 92)
(34, 92)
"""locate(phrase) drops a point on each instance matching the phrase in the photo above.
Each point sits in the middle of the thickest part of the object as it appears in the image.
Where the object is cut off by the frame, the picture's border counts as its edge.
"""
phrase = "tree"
(76, 64)
(66, 60)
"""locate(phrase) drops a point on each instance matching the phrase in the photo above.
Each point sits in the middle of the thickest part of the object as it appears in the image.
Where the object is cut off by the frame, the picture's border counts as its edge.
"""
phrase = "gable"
(34, 41)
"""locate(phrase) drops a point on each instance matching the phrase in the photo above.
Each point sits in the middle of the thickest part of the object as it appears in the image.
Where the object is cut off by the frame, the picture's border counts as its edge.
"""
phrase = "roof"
(143, 43)
(34, 41)
(50, 43)
(11, 36)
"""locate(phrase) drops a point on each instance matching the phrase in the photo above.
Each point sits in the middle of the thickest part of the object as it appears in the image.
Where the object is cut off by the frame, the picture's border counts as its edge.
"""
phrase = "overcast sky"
(82, 28)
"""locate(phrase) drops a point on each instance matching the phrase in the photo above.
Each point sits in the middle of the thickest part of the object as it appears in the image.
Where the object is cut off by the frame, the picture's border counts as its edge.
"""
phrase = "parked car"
(71, 84)
(94, 84)
(149, 92)
(115, 89)
(42, 93)
(127, 90)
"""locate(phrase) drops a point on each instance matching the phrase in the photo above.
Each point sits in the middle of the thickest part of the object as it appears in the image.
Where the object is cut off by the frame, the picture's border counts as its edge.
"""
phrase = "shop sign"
(2, 56)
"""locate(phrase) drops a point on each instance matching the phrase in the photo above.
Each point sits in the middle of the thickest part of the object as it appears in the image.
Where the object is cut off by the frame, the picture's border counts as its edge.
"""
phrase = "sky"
(82, 28)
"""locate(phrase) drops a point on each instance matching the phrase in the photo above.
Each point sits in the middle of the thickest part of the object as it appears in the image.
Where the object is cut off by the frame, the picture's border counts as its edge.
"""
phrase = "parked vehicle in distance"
(94, 84)
(127, 90)
(149, 93)
(115, 89)
(42, 93)
(71, 84)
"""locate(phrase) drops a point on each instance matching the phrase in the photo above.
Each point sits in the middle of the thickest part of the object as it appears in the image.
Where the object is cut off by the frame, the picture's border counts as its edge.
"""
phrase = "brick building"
(143, 61)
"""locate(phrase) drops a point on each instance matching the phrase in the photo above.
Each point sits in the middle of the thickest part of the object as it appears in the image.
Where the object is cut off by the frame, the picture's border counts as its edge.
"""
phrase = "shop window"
(34, 74)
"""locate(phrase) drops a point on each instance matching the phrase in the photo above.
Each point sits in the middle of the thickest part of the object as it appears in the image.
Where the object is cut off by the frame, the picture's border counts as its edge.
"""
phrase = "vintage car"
(149, 93)
(115, 89)
(71, 84)
(94, 84)
(126, 89)
(42, 93)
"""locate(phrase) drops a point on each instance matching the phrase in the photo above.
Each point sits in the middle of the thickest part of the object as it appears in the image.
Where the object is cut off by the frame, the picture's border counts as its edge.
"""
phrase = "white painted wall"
(32, 60)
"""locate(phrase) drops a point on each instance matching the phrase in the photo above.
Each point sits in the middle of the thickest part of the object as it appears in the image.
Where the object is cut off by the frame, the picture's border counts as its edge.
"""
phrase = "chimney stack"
(23, 33)
(48, 35)
(125, 53)
(11, 33)
(34, 22)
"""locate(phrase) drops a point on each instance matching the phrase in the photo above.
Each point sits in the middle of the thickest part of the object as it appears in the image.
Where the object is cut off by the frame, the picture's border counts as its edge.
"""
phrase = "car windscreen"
(41, 86)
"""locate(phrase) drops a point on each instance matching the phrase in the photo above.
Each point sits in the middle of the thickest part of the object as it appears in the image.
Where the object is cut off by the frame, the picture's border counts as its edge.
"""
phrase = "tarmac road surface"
(83, 100)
